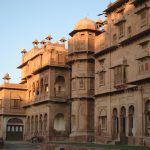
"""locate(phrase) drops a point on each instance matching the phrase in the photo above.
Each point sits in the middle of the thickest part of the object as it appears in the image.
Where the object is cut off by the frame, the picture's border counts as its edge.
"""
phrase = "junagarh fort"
(97, 90)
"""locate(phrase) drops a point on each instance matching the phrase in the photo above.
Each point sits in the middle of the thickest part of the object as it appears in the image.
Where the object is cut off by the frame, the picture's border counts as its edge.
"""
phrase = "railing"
(60, 94)
(14, 110)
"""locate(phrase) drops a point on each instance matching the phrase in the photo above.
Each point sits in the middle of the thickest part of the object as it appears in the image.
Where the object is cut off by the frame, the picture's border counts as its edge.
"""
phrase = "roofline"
(115, 5)
(91, 30)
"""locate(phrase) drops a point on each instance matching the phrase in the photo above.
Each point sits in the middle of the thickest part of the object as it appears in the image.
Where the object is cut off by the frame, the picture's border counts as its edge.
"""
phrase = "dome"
(85, 23)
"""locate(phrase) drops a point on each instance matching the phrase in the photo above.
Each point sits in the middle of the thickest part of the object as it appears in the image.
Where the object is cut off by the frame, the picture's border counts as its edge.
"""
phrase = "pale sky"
(22, 21)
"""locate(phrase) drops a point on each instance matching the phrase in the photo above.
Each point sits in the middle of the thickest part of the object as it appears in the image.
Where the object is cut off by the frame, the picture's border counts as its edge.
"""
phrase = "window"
(29, 94)
(41, 85)
(144, 66)
(103, 122)
(33, 88)
(73, 122)
(114, 38)
(60, 58)
(143, 17)
(102, 78)
(81, 83)
(46, 84)
(37, 88)
(74, 84)
(144, 45)
(129, 31)
(121, 28)
(0, 103)
(16, 103)
(119, 75)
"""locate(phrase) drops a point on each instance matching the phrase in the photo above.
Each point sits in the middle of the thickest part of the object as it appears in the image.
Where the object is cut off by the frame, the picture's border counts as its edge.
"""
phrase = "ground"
(20, 146)
(61, 146)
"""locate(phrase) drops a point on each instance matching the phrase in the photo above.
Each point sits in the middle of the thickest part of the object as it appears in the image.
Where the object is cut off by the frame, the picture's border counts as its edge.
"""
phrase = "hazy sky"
(22, 21)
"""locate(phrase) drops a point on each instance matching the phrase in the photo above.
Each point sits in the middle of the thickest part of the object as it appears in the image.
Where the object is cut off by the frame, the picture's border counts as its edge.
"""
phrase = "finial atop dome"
(62, 40)
(49, 38)
(6, 78)
(35, 42)
(23, 51)
(43, 43)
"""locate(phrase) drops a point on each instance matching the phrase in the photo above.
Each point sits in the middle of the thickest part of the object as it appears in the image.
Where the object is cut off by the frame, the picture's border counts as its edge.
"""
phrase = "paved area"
(11, 145)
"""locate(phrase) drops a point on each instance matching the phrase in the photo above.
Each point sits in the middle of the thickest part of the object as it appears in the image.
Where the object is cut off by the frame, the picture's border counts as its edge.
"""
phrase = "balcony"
(60, 94)
(14, 111)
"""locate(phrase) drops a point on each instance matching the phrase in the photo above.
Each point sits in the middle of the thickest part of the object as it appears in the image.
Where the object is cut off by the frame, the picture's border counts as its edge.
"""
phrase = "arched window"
(102, 122)
(41, 85)
(37, 88)
(32, 124)
(115, 123)
(46, 84)
(40, 123)
(81, 83)
(36, 124)
(60, 87)
(147, 118)
(45, 122)
(59, 122)
(123, 121)
(131, 120)
(28, 124)
(33, 88)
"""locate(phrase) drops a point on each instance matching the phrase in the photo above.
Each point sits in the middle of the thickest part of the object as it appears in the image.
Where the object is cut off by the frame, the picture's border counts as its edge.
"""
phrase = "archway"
(14, 130)
(123, 122)
(131, 121)
(115, 123)
(147, 118)
(59, 122)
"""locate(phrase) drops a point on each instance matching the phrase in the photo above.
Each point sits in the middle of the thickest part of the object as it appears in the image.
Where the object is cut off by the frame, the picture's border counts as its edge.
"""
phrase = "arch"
(40, 123)
(14, 129)
(147, 117)
(60, 87)
(37, 88)
(28, 124)
(115, 123)
(115, 112)
(41, 85)
(15, 121)
(103, 112)
(32, 124)
(36, 124)
(131, 120)
(33, 88)
(123, 122)
(59, 122)
(102, 122)
(45, 122)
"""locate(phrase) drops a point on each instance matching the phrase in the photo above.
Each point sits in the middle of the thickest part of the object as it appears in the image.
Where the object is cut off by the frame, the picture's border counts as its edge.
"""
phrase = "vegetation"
(107, 147)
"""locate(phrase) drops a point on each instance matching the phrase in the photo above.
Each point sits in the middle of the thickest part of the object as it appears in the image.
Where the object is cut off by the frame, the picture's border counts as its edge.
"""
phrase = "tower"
(80, 57)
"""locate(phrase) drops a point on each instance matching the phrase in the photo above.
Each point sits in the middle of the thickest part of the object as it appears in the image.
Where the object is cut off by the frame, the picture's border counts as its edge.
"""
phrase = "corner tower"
(81, 49)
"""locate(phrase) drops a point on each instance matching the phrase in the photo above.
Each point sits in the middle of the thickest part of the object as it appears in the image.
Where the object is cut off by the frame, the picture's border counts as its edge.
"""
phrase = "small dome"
(85, 23)
(6, 77)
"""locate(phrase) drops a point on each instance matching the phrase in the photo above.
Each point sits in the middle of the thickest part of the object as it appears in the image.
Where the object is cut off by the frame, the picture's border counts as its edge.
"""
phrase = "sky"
(23, 21)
